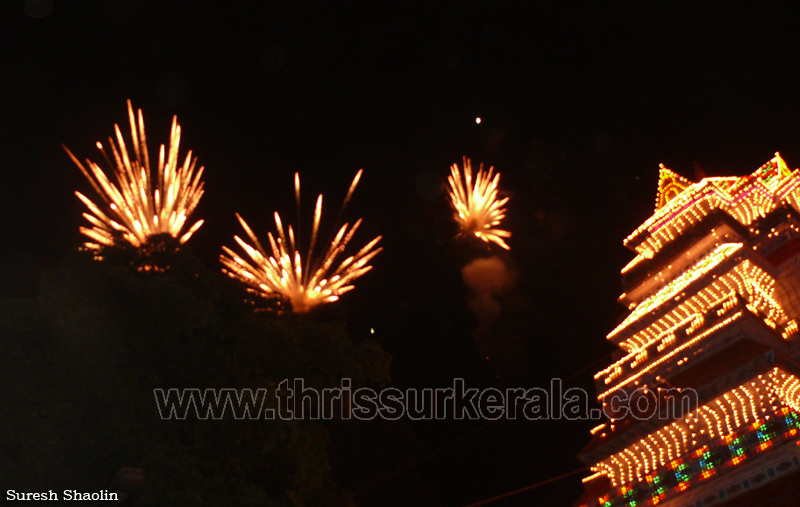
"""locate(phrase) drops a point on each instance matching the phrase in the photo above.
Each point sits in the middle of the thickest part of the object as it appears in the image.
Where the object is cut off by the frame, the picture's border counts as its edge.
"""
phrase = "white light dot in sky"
(478, 120)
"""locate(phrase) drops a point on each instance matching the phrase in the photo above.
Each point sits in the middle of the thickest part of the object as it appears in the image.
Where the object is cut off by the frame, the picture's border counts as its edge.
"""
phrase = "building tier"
(711, 345)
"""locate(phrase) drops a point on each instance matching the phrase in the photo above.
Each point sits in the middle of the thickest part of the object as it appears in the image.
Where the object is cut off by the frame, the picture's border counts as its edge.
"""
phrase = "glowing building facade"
(702, 401)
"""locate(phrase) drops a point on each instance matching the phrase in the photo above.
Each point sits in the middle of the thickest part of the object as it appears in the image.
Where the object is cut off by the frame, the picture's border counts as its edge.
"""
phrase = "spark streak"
(478, 211)
(305, 283)
(137, 207)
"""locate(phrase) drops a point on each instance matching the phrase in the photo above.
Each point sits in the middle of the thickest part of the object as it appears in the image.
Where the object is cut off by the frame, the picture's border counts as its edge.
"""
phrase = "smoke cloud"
(488, 279)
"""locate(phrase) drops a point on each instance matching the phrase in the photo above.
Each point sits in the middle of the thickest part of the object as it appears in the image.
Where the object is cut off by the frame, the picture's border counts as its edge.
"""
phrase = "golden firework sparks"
(478, 211)
(140, 204)
(285, 273)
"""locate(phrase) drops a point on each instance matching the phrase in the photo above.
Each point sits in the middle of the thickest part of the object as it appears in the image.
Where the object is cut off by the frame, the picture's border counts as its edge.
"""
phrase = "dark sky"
(579, 102)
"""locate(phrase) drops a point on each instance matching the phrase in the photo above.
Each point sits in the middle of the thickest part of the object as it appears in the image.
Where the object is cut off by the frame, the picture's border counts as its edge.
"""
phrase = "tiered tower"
(702, 401)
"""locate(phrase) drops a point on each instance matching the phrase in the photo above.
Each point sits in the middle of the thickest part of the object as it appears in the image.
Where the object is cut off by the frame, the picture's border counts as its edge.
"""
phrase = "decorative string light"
(722, 420)
(686, 310)
(745, 199)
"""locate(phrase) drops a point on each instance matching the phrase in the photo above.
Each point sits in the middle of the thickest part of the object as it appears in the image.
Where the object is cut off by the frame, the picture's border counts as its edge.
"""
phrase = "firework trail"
(140, 204)
(305, 282)
(478, 211)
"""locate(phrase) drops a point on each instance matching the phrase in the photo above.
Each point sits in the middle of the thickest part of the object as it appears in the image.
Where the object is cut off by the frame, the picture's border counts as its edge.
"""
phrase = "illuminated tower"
(702, 401)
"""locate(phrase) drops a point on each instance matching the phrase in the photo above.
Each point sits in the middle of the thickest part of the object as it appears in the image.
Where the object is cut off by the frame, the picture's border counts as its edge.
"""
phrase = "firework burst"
(478, 211)
(306, 281)
(141, 204)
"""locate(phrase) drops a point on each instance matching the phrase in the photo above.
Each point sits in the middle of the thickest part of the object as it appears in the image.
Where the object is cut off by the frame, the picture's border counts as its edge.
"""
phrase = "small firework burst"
(305, 281)
(478, 211)
(141, 204)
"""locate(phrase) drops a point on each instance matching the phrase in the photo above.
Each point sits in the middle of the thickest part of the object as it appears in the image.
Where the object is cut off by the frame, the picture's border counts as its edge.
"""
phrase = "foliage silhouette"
(82, 359)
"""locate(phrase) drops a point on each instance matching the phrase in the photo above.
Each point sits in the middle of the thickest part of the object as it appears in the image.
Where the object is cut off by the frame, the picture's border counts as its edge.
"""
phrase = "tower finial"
(670, 184)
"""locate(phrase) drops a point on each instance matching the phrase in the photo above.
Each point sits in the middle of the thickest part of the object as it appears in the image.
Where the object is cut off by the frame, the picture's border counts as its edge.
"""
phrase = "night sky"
(579, 104)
